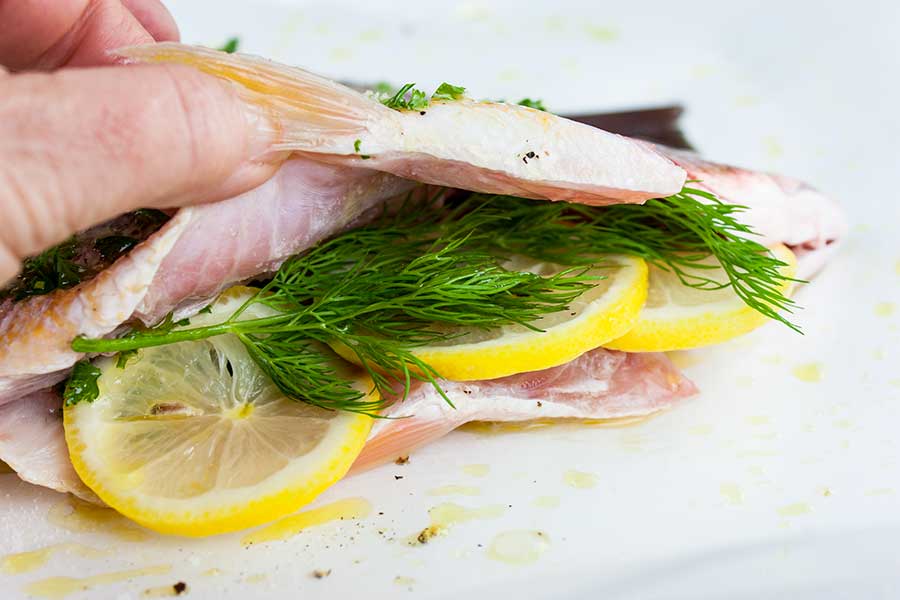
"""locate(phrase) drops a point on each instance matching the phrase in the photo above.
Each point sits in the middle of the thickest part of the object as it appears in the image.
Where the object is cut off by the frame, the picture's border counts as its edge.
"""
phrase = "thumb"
(81, 146)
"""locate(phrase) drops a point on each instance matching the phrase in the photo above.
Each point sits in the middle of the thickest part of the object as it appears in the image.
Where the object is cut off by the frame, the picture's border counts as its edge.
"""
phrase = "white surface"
(796, 87)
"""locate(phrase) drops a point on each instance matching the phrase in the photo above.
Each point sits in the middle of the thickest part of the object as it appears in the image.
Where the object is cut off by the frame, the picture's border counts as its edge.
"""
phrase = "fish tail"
(307, 112)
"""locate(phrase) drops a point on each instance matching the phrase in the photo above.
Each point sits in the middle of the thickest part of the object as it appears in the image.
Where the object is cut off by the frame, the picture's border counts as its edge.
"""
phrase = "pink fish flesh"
(600, 384)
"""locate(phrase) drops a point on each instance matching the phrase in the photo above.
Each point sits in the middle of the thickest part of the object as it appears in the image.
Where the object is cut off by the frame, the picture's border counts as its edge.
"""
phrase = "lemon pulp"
(194, 439)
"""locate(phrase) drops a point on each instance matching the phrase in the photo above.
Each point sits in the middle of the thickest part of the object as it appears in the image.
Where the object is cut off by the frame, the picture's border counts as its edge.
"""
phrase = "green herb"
(122, 358)
(537, 104)
(409, 279)
(55, 268)
(231, 45)
(408, 97)
(82, 384)
(206, 309)
(448, 91)
(356, 146)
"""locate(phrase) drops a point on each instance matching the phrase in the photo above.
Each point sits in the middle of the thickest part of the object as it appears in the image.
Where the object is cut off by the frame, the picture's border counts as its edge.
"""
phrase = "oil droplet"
(809, 372)
(476, 470)
(521, 547)
(60, 587)
(166, 591)
(554, 23)
(370, 35)
(897, 267)
(743, 381)
(22, 562)
(341, 53)
(684, 359)
(843, 423)
(884, 309)
(602, 34)
(795, 510)
(401, 580)
(500, 428)
(732, 493)
(83, 517)
(214, 572)
(349, 508)
(444, 516)
(758, 420)
(454, 490)
(546, 502)
(704, 429)
(880, 492)
(579, 479)
(257, 578)
(772, 147)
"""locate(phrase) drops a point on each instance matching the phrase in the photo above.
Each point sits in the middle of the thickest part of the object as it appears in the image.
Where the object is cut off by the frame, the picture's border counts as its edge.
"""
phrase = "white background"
(764, 485)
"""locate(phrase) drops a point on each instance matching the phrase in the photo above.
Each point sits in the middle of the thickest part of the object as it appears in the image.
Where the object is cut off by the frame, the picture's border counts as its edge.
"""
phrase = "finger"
(80, 146)
(46, 34)
(155, 18)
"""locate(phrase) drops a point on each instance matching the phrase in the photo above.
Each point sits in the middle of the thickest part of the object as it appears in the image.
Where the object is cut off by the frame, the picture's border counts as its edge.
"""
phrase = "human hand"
(81, 145)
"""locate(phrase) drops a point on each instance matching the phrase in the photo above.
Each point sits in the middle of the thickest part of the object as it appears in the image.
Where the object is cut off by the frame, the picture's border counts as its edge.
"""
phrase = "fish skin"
(490, 147)
(36, 333)
(600, 384)
(32, 442)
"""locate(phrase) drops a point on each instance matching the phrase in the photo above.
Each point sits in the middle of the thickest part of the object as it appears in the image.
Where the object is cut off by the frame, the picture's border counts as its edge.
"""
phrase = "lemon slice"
(601, 314)
(194, 439)
(678, 317)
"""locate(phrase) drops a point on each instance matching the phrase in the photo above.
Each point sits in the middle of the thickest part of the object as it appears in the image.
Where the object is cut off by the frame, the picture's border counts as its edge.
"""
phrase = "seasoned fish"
(490, 147)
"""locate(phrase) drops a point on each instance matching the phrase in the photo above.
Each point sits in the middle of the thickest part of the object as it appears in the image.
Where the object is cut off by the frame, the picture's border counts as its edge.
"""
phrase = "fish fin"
(308, 112)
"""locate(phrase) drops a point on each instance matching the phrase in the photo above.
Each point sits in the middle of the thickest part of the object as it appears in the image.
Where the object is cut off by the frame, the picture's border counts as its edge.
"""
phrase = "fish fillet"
(196, 254)
(600, 384)
(489, 147)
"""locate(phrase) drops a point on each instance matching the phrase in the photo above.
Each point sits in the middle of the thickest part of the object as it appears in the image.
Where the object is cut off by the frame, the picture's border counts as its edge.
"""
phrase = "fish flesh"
(489, 147)
(199, 252)
(204, 249)
(304, 203)
(33, 443)
(600, 384)
(36, 333)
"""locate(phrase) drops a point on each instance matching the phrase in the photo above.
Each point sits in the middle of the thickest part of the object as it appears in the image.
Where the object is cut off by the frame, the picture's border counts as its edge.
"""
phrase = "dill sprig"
(425, 273)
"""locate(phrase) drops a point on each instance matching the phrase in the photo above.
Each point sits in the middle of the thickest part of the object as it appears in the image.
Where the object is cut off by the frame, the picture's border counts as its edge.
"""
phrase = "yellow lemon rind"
(701, 329)
(221, 519)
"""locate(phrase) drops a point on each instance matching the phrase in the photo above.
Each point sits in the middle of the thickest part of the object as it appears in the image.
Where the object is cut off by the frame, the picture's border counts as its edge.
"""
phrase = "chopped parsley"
(231, 45)
(536, 104)
(55, 268)
(408, 97)
(356, 146)
(82, 385)
(447, 91)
